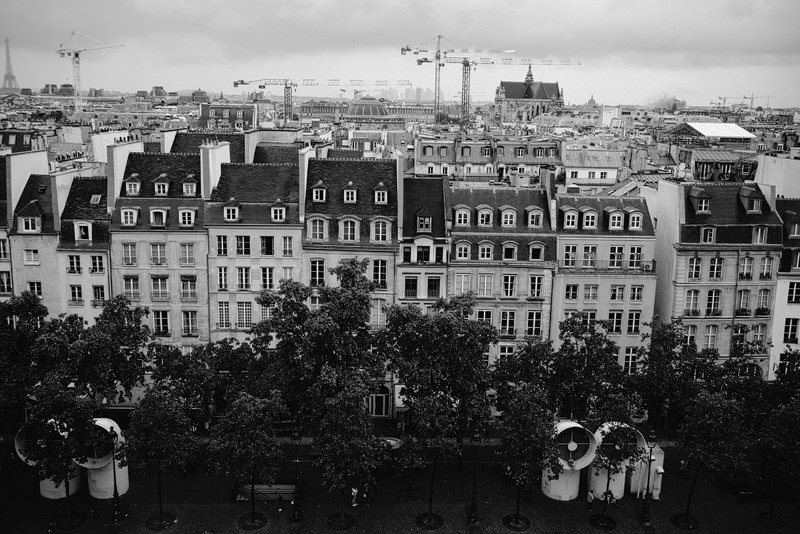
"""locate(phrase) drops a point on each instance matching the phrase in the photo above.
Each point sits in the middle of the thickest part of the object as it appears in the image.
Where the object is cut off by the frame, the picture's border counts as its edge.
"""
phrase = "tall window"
(462, 283)
(790, 330)
(694, 268)
(617, 292)
(712, 302)
(222, 278)
(74, 264)
(743, 300)
(5, 282)
(571, 292)
(762, 302)
(765, 272)
(267, 245)
(317, 272)
(794, 292)
(745, 268)
(76, 294)
(534, 326)
(242, 245)
(570, 219)
(434, 287)
(536, 283)
(760, 235)
(485, 283)
(348, 230)
(634, 322)
(615, 255)
(715, 268)
(615, 322)
(161, 322)
(485, 316)
(692, 301)
(509, 285)
(267, 278)
(629, 363)
(187, 254)
(590, 292)
(589, 256)
(188, 287)
(507, 322)
(222, 245)
(130, 286)
(317, 229)
(243, 278)
(160, 287)
(381, 231)
(636, 293)
(570, 254)
(710, 337)
(189, 323)
(635, 257)
(410, 287)
(690, 335)
(379, 269)
(288, 246)
(4, 249)
(244, 312)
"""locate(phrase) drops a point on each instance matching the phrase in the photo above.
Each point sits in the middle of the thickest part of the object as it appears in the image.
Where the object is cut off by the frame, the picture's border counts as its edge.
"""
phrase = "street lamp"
(117, 516)
(473, 503)
(297, 516)
(651, 443)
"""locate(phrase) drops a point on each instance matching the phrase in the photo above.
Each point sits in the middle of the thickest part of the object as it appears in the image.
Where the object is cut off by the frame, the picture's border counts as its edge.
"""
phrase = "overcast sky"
(632, 51)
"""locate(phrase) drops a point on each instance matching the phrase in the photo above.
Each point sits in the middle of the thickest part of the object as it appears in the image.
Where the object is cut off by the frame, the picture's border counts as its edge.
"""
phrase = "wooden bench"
(266, 492)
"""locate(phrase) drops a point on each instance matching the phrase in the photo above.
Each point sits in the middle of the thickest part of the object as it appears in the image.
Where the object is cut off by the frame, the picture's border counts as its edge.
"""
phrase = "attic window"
(95, 200)
(31, 224)
(794, 229)
(753, 205)
(381, 197)
(278, 214)
(189, 189)
(635, 221)
(350, 195)
(132, 188)
(83, 231)
(158, 218)
(703, 205)
(161, 189)
(318, 195)
(231, 213)
(128, 217)
(423, 224)
(615, 221)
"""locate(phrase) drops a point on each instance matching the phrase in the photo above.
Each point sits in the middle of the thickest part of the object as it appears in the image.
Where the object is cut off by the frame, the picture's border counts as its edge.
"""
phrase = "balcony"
(578, 264)
(243, 287)
(75, 302)
(713, 312)
(789, 339)
(132, 295)
(691, 312)
(97, 303)
(188, 295)
(74, 270)
(508, 332)
(162, 333)
(97, 270)
(762, 311)
(158, 261)
(742, 312)
(187, 262)
(128, 261)
(745, 276)
(224, 324)
(243, 326)
(765, 276)
(159, 295)
(189, 332)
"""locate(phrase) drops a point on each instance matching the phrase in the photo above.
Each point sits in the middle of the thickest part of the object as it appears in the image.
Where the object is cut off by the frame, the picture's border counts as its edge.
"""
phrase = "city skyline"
(631, 52)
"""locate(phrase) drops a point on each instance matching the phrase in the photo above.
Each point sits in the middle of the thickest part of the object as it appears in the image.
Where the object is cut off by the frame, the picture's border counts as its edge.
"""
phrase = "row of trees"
(316, 367)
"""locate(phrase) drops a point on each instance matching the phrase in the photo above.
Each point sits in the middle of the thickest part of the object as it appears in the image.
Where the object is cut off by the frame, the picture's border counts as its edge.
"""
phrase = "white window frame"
(186, 218)
(485, 217)
(535, 218)
(571, 219)
(132, 188)
(616, 222)
(462, 217)
(161, 189)
(318, 194)
(486, 251)
(590, 220)
(128, 217)
(509, 219)
(189, 189)
(231, 213)
(462, 251)
(278, 214)
(381, 197)
(350, 196)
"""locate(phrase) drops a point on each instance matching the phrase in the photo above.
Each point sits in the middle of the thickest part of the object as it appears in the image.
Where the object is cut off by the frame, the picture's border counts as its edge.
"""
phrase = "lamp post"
(644, 519)
(117, 516)
(297, 515)
(473, 503)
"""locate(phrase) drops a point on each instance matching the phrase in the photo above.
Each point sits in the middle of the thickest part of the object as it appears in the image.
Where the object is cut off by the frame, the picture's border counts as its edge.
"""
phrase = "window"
(161, 322)
(536, 253)
(423, 224)
(83, 232)
(589, 256)
(762, 302)
(406, 254)
(244, 314)
(423, 254)
(703, 205)
(634, 322)
(794, 229)
(462, 218)
(765, 272)
(381, 231)
(689, 335)
(444, 170)
(74, 264)
(466, 151)
(242, 245)
(535, 219)
(712, 302)
(267, 312)
(5, 282)
(694, 268)
(31, 256)
(379, 270)
(430, 169)
(318, 195)
(745, 268)
(130, 286)
(189, 189)
(267, 278)
(570, 254)
(189, 323)
(485, 251)
(571, 292)
(98, 265)
(743, 300)
(348, 230)
(534, 326)
(288, 246)
(222, 245)
(629, 364)
(590, 220)
(536, 284)
(278, 214)
(186, 217)
(795, 260)
(485, 283)
(243, 278)
(636, 293)
(132, 188)
(4, 249)
(98, 295)
(381, 197)
(349, 196)
(509, 285)
(615, 322)
(317, 229)
(790, 330)
(509, 252)
(158, 218)
(710, 338)
(161, 189)
(509, 218)
(715, 268)
(635, 258)
(507, 322)
(317, 272)
(615, 221)
(462, 251)
(590, 292)
(222, 278)
(615, 256)
(267, 245)
(129, 217)
(442, 151)
(35, 288)
(75, 295)
(759, 337)
(592, 174)
(707, 235)
(617, 292)
(231, 213)
(570, 219)
(410, 287)
(760, 235)
(485, 218)
(794, 292)
(485, 316)
(520, 152)
(462, 283)
(160, 287)
(753, 205)
(434, 287)
(603, 175)
(158, 254)
(692, 302)
(287, 273)
(635, 221)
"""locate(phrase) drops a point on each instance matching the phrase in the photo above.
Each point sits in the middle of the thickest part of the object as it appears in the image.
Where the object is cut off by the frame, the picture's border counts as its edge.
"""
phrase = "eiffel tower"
(10, 85)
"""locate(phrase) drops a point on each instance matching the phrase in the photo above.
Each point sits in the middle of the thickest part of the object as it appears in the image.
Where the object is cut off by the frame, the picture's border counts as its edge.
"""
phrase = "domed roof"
(367, 106)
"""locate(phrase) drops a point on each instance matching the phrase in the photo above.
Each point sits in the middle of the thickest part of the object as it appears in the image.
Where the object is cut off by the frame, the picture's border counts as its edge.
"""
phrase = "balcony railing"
(97, 270)
(579, 264)
(742, 312)
(745, 276)
(188, 295)
(75, 302)
(159, 295)
(97, 303)
(74, 270)
(691, 312)
(508, 332)
(132, 295)
(713, 312)
(765, 276)
(762, 311)
(187, 262)
(158, 261)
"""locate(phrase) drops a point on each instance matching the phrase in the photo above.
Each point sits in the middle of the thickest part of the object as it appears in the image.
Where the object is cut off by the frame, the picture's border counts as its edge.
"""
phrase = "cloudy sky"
(632, 51)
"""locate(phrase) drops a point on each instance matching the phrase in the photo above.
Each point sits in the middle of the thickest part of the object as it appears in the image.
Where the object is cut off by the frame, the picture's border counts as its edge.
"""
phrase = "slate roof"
(496, 197)
(271, 153)
(3, 194)
(365, 174)
(726, 206)
(150, 167)
(345, 153)
(189, 143)
(604, 206)
(594, 159)
(145, 204)
(36, 201)
(533, 90)
(423, 197)
(789, 210)
(79, 205)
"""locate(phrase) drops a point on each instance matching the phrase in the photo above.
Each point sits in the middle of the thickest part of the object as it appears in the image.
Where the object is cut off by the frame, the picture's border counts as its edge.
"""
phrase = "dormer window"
(95, 200)
(570, 219)
(31, 224)
(442, 151)
(381, 197)
(186, 217)
(466, 151)
(462, 218)
(520, 152)
(509, 218)
(753, 205)
(231, 213)
(501, 151)
(83, 231)
(794, 229)
(635, 221)
(487, 151)
(535, 219)
(129, 217)
(158, 218)
(539, 152)
(760, 235)
(615, 221)
(485, 218)
(590, 220)
(707, 235)
(161, 189)
(703, 205)
(132, 188)
(318, 194)
(349, 196)
(278, 214)
(423, 224)
(509, 251)
(189, 189)
(427, 151)
(537, 253)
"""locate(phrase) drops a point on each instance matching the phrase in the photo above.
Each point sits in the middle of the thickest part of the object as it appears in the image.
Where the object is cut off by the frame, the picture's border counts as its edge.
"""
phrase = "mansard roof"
(151, 168)
(365, 175)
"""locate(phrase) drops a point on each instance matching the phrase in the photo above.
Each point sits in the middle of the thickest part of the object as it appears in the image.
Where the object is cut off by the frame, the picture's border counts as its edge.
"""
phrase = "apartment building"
(592, 170)
(786, 317)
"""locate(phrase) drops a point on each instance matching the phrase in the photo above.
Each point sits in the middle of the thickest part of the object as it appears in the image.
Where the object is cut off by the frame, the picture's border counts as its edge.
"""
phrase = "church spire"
(529, 76)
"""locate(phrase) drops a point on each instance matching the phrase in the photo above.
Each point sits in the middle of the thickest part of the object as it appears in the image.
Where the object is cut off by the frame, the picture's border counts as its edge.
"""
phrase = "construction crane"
(469, 59)
(288, 88)
(753, 97)
(75, 52)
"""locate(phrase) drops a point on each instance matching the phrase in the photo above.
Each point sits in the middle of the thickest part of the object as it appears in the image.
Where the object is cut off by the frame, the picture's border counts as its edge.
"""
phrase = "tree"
(161, 430)
(244, 446)
(777, 449)
(60, 431)
(527, 433)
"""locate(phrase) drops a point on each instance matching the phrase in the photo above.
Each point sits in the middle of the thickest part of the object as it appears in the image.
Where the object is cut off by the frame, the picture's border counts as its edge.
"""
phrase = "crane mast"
(75, 54)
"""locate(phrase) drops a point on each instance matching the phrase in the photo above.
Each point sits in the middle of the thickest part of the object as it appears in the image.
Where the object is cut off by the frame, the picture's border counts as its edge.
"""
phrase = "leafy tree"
(244, 446)
(161, 430)
(527, 433)
(60, 431)
(788, 374)
(777, 448)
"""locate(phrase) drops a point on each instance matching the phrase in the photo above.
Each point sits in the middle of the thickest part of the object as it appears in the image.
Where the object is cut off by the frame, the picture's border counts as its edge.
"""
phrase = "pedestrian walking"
(590, 499)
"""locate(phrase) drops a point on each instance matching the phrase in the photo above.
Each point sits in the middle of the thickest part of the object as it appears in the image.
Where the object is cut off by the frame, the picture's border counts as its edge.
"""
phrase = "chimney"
(19, 168)
(212, 155)
(401, 167)
(304, 155)
(117, 161)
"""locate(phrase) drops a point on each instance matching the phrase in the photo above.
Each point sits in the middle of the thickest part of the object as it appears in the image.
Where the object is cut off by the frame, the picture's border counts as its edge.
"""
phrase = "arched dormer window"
(571, 219)
(485, 217)
(83, 230)
(509, 251)
(463, 250)
(186, 217)
(381, 230)
(350, 194)
(158, 218)
(317, 228)
(539, 152)
(535, 218)
(485, 251)
(615, 221)
(486, 151)
(466, 151)
(590, 220)
(536, 252)
(509, 218)
(462, 217)
(635, 221)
